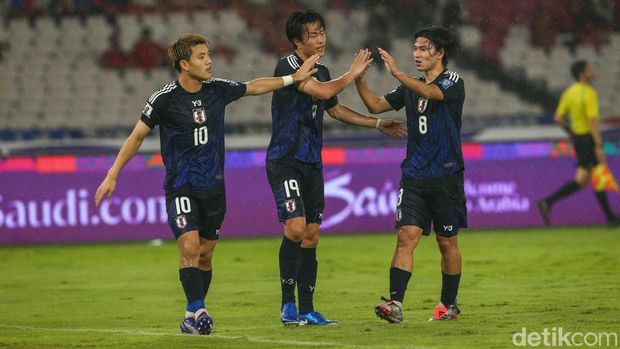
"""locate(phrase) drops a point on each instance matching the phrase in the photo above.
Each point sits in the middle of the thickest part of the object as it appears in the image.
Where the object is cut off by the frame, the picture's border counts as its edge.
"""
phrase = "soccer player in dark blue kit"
(431, 189)
(190, 115)
(294, 165)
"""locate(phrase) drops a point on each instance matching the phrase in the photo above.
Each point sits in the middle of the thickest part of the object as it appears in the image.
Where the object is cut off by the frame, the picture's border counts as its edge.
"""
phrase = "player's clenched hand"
(106, 188)
(393, 128)
(361, 61)
(390, 63)
(306, 69)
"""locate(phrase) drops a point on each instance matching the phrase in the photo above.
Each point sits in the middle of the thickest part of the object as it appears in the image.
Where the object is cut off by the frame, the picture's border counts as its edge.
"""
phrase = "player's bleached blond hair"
(181, 48)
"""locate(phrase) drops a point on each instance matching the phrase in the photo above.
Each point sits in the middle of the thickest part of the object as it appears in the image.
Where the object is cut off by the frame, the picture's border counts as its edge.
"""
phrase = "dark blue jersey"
(191, 131)
(434, 140)
(297, 118)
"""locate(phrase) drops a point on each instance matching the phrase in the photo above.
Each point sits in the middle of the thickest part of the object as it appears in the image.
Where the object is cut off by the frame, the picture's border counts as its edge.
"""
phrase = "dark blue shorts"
(298, 190)
(201, 210)
(440, 201)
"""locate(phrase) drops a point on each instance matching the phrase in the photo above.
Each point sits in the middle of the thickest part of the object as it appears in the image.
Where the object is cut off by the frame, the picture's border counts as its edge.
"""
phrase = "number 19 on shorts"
(291, 185)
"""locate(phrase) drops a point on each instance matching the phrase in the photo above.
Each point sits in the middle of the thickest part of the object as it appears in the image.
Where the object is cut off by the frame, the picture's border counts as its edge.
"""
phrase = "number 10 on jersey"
(201, 135)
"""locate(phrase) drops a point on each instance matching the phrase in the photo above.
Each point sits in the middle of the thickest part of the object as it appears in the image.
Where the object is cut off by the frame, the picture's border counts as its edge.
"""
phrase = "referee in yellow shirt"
(580, 102)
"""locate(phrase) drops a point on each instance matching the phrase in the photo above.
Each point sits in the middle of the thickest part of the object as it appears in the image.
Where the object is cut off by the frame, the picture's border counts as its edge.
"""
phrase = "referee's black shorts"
(440, 201)
(585, 150)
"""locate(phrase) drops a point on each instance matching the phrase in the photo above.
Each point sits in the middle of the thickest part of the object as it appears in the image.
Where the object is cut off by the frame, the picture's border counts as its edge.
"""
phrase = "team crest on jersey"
(290, 206)
(181, 221)
(422, 103)
(199, 115)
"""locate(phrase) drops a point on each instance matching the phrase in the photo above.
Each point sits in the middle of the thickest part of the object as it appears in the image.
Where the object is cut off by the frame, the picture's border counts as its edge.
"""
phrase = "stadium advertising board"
(49, 199)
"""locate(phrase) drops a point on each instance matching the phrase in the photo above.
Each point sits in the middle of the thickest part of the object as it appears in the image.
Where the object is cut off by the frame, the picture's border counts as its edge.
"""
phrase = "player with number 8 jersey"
(431, 189)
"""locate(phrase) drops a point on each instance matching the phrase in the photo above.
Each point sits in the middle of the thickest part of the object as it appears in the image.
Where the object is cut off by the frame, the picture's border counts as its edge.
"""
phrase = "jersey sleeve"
(396, 97)
(285, 67)
(230, 90)
(452, 87)
(562, 108)
(153, 110)
(592, 104)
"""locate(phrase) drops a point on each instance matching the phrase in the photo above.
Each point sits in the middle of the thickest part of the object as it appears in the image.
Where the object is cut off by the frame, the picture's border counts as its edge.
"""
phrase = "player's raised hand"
(390, 63)
(307, 69)
(393, 128)
(361, 61)
(106, 188)
(363, 73)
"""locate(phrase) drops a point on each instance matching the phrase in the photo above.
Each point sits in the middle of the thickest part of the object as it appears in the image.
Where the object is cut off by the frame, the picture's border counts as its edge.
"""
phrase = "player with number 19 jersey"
(192, 131)
(297, 118)
(434, 142)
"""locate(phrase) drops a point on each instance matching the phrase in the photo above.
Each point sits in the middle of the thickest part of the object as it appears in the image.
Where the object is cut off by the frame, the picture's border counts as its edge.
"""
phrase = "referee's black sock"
(306, 279)
(566, 190)
(398, 283)
(601, 196)
(449, 288)
(289, 257)
(206, 281)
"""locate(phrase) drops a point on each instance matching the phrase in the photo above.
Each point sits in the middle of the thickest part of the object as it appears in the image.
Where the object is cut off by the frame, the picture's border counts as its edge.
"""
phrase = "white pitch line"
(163, 334)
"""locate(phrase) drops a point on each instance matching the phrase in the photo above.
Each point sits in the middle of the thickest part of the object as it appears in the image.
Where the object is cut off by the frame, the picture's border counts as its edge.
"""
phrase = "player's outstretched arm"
(389, 127)
(374, 103)
(329, 89)
(432, 92)
(264, 85)
(128, 150)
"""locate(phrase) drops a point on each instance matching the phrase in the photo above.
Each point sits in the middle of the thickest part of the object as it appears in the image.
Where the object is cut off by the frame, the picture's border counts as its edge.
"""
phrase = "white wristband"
(378, 122)
(287, 80)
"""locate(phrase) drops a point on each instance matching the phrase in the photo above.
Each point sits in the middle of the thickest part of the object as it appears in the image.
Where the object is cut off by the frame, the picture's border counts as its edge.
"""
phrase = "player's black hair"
(577, 68)
(443, 39)
(296, 24)
(181, 48)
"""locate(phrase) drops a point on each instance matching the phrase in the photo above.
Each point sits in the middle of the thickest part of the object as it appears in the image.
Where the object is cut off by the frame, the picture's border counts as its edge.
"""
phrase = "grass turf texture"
(128, 295)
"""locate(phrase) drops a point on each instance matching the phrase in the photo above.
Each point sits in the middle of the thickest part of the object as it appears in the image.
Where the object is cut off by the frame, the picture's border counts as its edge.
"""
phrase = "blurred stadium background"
(57, 84)
(74, 77)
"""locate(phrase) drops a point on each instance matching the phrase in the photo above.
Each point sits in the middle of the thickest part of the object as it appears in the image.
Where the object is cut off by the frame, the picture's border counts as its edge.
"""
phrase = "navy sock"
(564, 191)
(449, 288)
(192, 285)
(206, 281)
(289, 260)
(398, 283)
(306, 279)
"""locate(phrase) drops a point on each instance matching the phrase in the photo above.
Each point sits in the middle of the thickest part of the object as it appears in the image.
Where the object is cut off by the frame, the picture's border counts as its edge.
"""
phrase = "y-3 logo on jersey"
(422, 103)
(197, 103)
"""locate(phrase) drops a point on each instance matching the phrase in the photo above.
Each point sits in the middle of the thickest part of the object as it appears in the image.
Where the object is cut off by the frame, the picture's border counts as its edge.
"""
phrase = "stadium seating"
(53, 86)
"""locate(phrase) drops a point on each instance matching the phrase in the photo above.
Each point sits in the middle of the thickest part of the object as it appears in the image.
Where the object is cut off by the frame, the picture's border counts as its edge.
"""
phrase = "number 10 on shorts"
(182, 205)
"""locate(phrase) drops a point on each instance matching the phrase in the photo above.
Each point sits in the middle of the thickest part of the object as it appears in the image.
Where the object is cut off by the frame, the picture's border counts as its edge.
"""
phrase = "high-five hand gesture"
(361, 60)
(307, 69)
(390, 63)
(393, 128)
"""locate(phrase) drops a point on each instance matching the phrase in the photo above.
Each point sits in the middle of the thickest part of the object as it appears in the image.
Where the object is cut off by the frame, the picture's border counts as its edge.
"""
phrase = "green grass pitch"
(128, 295)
